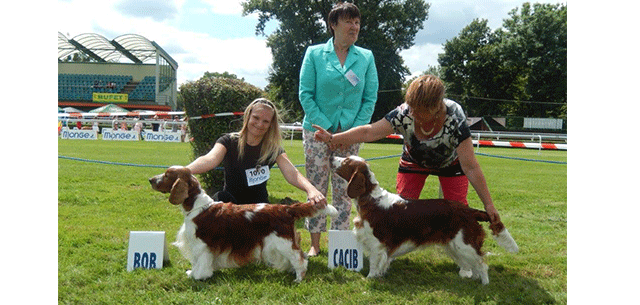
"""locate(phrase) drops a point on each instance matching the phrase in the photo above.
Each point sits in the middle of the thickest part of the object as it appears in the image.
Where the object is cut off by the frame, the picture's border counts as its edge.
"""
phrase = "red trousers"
(409, 186)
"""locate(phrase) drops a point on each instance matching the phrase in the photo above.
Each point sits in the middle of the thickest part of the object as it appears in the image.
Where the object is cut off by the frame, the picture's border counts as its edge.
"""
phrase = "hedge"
(211, 96)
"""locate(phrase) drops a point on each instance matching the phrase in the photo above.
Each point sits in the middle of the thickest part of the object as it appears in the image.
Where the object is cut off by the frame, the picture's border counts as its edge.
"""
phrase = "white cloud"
(447, 19)
(156, 10)
(195, 52)
(419, 57)
(248, 58)
(225, 7)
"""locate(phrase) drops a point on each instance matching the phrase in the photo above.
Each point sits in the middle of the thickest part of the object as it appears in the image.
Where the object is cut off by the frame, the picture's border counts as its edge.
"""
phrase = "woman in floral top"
(437, 141)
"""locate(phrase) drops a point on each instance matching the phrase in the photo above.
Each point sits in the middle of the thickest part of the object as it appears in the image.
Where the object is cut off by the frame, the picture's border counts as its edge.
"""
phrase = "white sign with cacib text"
(147, 250)
(344, 250)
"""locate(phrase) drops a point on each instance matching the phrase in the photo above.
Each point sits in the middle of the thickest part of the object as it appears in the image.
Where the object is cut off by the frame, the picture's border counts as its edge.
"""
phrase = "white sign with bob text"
(147, 250)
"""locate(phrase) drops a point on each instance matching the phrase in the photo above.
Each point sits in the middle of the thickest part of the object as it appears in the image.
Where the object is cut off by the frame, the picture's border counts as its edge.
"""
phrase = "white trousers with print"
(319, 169)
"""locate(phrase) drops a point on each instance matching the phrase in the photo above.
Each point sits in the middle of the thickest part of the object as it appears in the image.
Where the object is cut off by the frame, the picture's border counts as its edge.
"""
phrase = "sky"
(213, 36)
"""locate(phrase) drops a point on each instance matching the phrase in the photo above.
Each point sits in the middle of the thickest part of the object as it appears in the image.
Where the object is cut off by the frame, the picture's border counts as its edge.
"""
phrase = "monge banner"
(76, 134)
(160, 136)
(119, 135)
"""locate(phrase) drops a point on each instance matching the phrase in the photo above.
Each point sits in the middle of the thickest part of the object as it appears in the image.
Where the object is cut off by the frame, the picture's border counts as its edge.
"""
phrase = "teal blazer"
(327, 95)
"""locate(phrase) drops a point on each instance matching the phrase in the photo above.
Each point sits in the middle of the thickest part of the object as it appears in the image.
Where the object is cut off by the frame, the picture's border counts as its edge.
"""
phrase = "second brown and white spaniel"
(218, 235)
(389, 226)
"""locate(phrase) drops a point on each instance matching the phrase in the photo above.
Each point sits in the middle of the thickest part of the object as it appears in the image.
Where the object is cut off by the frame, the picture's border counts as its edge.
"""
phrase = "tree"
(526, 61)
(473, 71)
(78, 57)
(431, 70)
(386, 28)
(536, 42)
(223, 75)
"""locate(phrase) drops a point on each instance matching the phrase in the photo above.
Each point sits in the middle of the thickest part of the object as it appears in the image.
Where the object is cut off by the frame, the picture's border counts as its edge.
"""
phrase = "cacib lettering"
(354, 258)
(347, 258)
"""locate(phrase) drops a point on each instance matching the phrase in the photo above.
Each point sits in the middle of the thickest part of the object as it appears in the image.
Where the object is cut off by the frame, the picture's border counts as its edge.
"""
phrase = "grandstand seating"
(145, 90)
(80, 87)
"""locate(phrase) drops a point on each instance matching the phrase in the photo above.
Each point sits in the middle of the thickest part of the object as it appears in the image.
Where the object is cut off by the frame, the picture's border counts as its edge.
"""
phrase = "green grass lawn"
(99, 204)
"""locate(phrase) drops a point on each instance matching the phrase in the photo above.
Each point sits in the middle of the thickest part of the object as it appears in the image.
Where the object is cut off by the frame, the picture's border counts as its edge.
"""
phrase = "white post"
(540, 142)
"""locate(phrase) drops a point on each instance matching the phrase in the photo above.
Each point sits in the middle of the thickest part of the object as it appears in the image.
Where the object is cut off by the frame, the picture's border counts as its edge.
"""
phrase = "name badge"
(352, 78)
(257, 175)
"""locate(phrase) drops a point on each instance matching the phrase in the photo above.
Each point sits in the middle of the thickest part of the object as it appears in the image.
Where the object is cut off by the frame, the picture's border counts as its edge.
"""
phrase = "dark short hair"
(340, 10)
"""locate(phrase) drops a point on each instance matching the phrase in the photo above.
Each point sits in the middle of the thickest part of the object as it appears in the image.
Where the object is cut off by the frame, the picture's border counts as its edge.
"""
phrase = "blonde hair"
(272, 140)
(426, 93)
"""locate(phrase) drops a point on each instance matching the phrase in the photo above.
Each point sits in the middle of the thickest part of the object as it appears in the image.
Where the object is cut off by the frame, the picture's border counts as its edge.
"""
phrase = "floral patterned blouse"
(436, 155)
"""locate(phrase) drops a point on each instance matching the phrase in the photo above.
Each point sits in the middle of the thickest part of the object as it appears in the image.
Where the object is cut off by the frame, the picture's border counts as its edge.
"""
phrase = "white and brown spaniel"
(217, 235)
(389, 226)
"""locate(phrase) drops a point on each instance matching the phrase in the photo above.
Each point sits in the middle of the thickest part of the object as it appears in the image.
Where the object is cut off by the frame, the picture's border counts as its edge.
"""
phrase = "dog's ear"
(356, 185)
(179, 192)
(184, 173)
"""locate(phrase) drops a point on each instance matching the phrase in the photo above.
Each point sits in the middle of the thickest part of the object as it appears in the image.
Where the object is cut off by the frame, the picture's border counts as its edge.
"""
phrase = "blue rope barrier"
(522, 159)
(111, 163)
(301, 165)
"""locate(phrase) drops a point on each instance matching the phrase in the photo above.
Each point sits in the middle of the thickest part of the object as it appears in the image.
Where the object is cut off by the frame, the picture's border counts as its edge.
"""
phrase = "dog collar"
(200, 209)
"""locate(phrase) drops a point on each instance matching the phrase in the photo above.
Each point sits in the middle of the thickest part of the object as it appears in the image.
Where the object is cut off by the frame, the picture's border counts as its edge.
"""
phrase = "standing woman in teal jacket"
(338, 91)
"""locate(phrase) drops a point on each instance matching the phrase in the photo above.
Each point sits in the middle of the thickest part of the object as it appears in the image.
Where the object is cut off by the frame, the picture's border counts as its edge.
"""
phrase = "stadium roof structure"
(128, 47)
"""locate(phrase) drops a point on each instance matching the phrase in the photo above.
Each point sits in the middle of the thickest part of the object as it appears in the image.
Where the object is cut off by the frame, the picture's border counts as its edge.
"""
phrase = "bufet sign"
(344, 250)
(147, 250)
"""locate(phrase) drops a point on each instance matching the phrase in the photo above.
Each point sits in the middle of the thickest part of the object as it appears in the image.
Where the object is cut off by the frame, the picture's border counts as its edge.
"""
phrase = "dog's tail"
(500, 232)
(307, 209)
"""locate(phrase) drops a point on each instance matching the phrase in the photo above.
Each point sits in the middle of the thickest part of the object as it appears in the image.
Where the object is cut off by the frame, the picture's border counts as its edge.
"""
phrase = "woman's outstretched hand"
(321, 134)
(324, 136)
